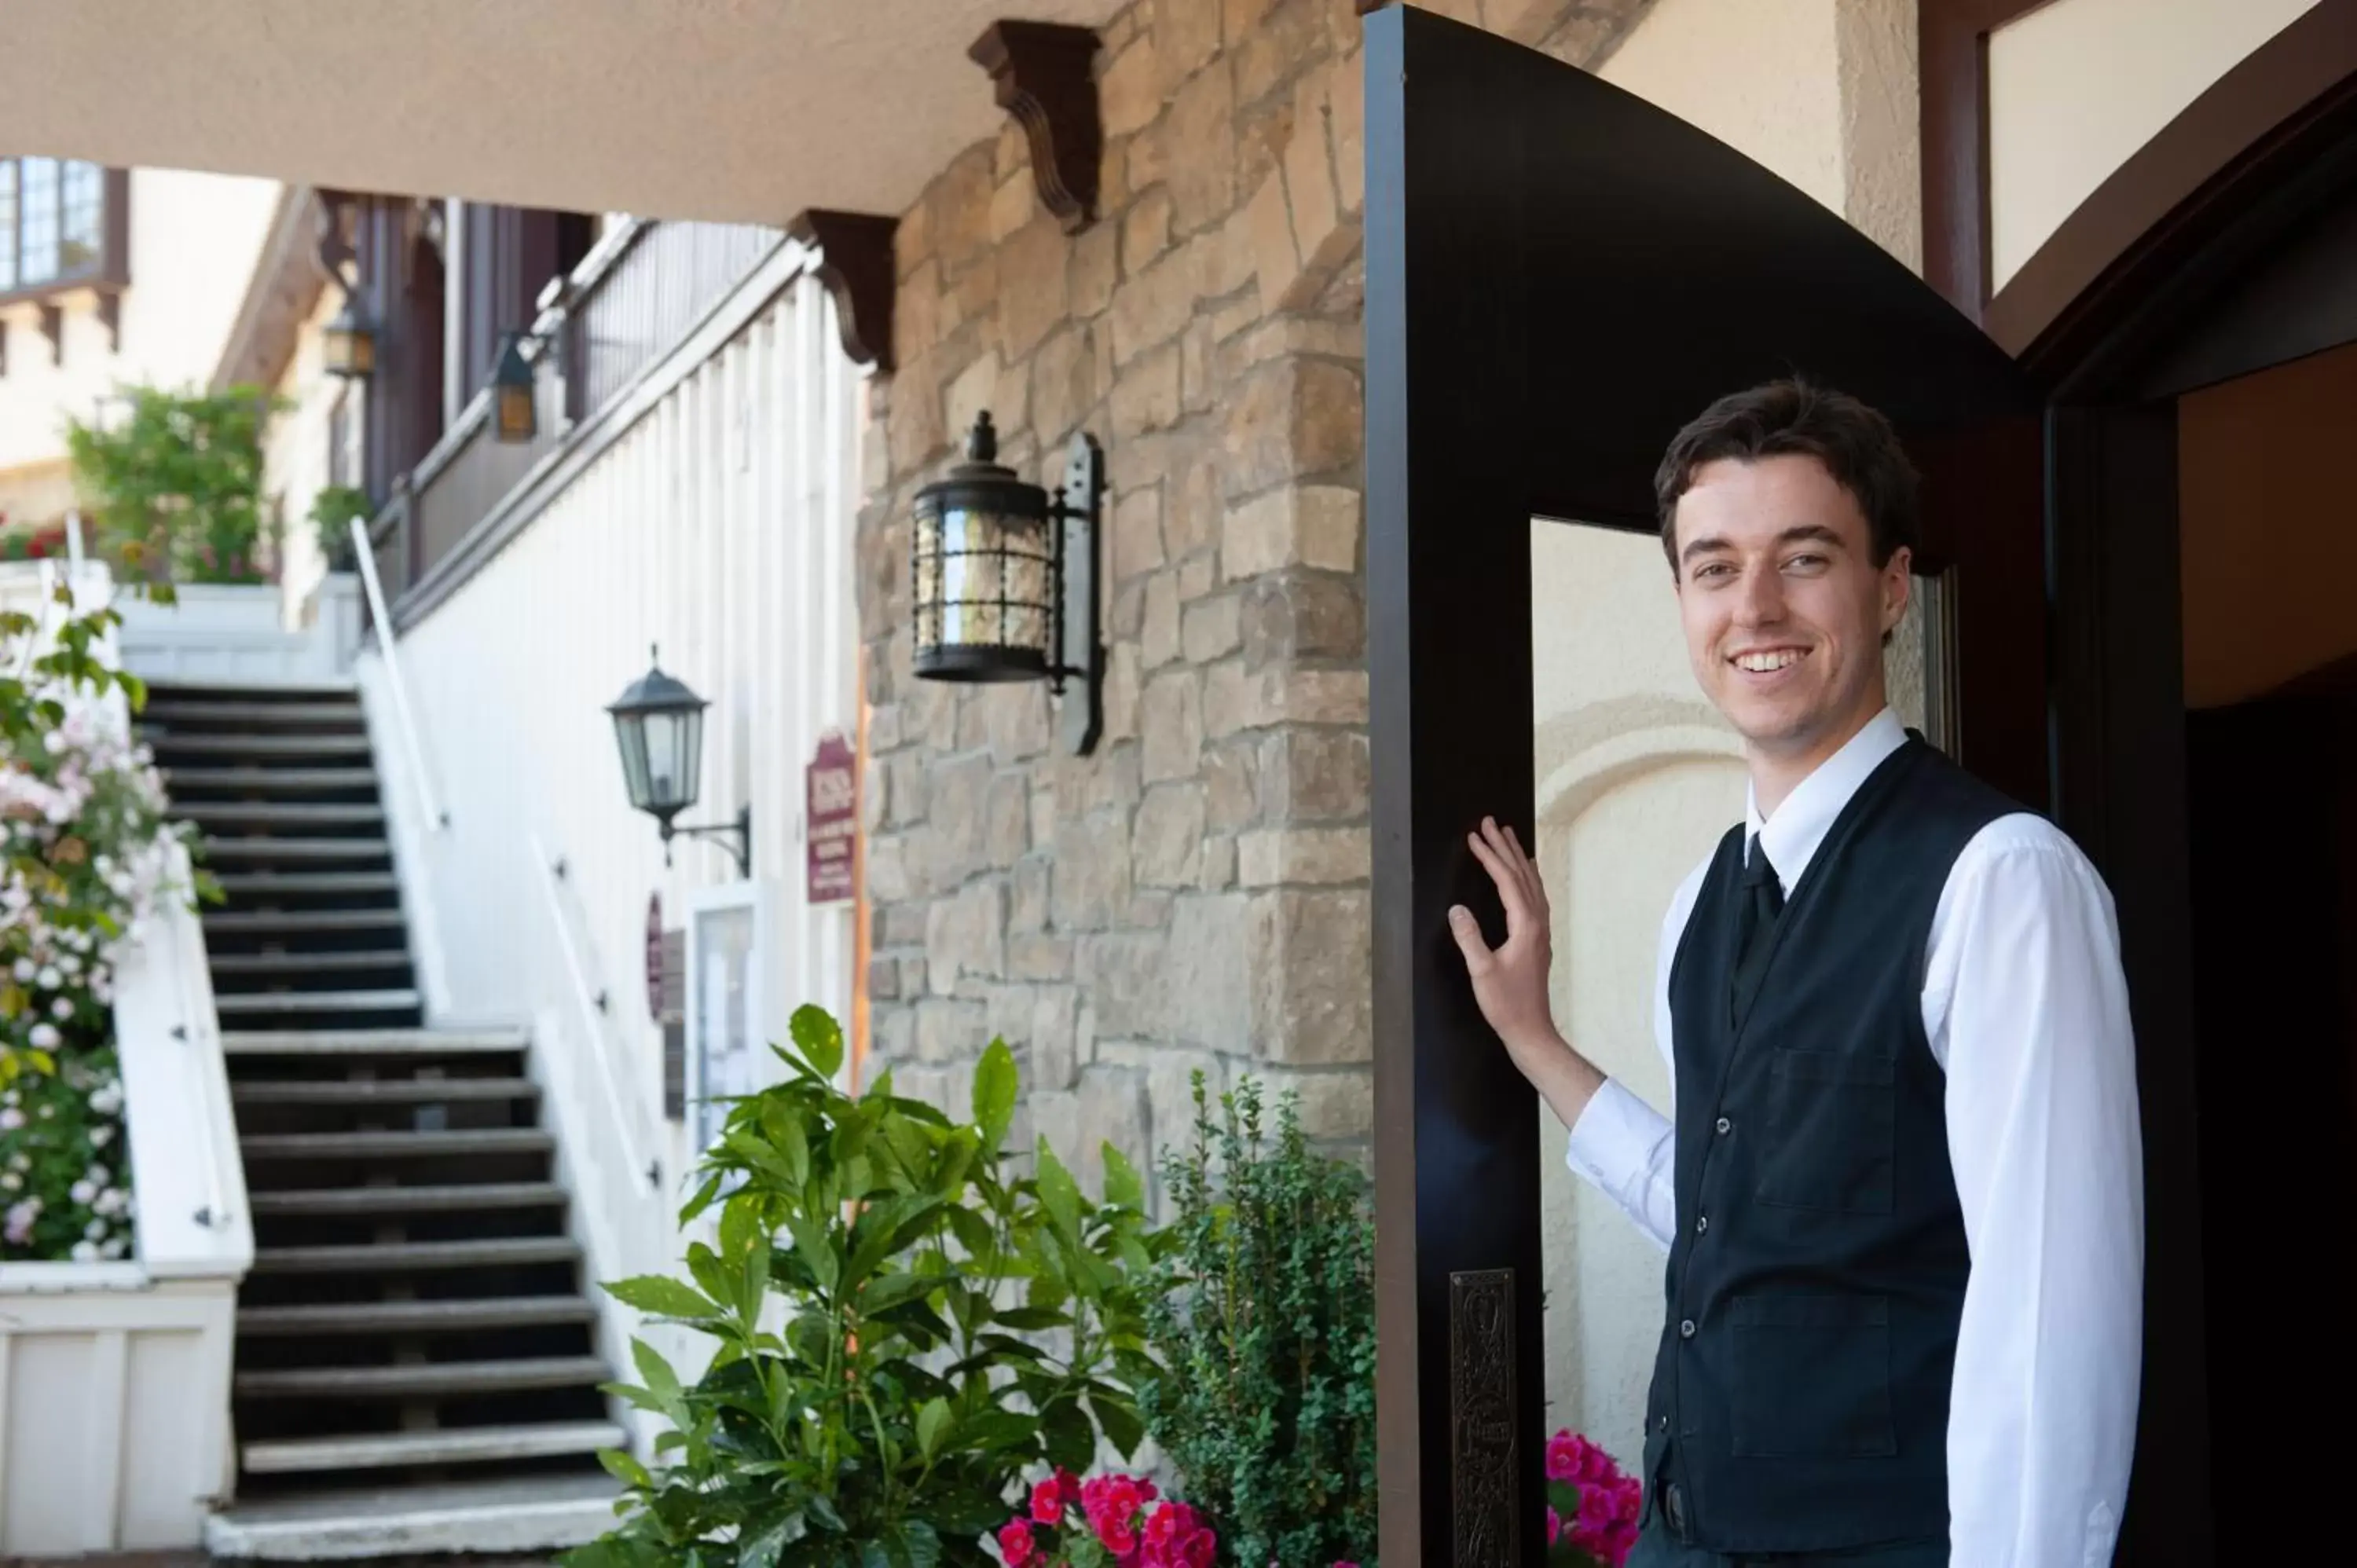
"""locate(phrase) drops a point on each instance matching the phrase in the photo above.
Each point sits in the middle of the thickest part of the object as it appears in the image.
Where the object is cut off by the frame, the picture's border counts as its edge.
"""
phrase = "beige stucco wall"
(194, 241)
(1822, 92)
(2077, 86)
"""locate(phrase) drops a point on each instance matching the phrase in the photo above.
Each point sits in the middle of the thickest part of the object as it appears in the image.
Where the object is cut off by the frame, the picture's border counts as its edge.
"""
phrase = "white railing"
(413, 751)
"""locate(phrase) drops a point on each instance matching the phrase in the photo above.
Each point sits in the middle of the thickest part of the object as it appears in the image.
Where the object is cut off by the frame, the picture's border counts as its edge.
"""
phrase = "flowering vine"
(1117, 1520)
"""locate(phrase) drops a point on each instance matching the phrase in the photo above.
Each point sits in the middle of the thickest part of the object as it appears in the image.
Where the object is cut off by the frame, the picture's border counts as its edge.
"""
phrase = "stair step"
(262, 884)
(396, 1145)
(269, 963)
(380, 1090)
(401, 1256)
(424, 1379)
(371, 1042)
(228, 1002)
(279, 813)
(258, 848)
(268, 778)
(416, 1317)
(458, 1445)
(354, 1200)
(329, 690)
(184, 710)
(256, 744)
(536, 1514)
(239, 922)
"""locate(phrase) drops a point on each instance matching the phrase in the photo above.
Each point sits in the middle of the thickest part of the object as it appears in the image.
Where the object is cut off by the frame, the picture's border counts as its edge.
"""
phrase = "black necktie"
(1756, 909)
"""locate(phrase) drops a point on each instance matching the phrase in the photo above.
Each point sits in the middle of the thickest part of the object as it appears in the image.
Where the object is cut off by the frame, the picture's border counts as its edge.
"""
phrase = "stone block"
(1136, 531)
(1153, 303)
(948, 1029)
(1334, 1104)
(1006, 820)
(1310, 170)
(1052, 1058)
(1293, 525)
(1276, 260)
(1040, 957)
(1291, 418)
(901, 926)
(1043, 806)
(1120, 694)
(1292, 616)
(1219, 873)
(1198, 367)
(960, 204)
(1171, 726)
(1201, 133)
(883, 980)
(1013, 204)
(1007, 1014)
(1205, 976)
(958, 787)
(1159, 631)
(912, 241)
(1230, 785)
(965, 937)
(1347, 99)
(1011, 155)
(1291, 694)
(912, 977)
(1240, 17)
(1126, 621)
(1113, 1110)
(1145, 395)
(1193, 506)
(1129, 93)
(1095, 269)
(1033, 287)
(1092, 884)
(1230, 699)
(1027, 903)
(1109, 781)
(916, 322)
(1055, 1121)
(1144, 229)
(1313, 775)
(1169, 836)
(916, 436)
(985, 385)
(1188, 34)
(1150, 911)
(1212, 627)
(887, 868)
(1122, 973)
(894, 1034)
(1267, 857)
(1312, 987)
(1290, 34)
(1198, 575)
(1014, 721)
(904, 791)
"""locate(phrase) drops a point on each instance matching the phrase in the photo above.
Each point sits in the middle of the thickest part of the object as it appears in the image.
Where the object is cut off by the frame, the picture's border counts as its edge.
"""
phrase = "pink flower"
(1200, 1550)
(1112, 1503)
(1600, 1507)
(1051, 1496)
(1554, 1527)
(1015, 1543)
(1172, 1523)
(1571, 1457)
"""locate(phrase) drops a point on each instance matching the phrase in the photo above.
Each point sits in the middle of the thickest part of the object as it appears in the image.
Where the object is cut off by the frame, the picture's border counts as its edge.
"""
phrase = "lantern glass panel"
(673, 755)
(348, 348)
(517, 418)
(985, 579)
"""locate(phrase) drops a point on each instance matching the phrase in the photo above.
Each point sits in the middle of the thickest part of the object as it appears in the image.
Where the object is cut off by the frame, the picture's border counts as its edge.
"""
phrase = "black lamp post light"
(515, 399)
(659, 725)
(1006, 582)
(347, 344)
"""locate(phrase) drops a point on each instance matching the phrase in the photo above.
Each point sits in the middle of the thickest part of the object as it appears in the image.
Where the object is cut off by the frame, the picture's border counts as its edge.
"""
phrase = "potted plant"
(333, 512)
(901, 1327)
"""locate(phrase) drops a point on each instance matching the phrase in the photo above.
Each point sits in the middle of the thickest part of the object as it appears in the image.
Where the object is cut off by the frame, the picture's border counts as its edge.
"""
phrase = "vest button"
(1725, 1126)
(1702, 1224)
(1665, 1424)
(1687, 1329)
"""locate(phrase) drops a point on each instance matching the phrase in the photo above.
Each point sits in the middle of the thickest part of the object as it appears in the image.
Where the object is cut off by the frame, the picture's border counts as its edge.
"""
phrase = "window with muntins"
(55, 229)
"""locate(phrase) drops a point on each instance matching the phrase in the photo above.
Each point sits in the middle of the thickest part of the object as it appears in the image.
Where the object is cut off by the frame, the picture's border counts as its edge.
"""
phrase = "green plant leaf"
(819, 1038)
(996, 1083)
(1119, 1421)
(622, 1467)
(762, 1549)
(664, 1297)
(814, 1245)
(1031, 1319)
(1059, 1192)
(934, 1420)
(1123, 1184)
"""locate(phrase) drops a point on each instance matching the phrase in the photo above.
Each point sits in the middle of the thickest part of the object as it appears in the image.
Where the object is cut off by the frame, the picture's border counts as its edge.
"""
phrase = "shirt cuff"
(1612, 1143)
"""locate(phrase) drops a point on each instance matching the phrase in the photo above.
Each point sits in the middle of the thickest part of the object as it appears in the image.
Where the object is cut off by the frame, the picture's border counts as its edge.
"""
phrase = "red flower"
(1015, 1543)
(1554, 1527)
(1172, 1523)
(1048, 1501)
(1200, 1550)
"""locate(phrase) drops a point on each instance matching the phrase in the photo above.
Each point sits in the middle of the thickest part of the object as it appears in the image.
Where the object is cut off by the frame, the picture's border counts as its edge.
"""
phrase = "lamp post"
(1005, 579)
(658, 728)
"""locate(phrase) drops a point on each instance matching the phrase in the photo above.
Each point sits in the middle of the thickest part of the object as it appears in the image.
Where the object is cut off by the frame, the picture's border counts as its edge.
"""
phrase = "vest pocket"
(1812, 1376)
(1831, 1131)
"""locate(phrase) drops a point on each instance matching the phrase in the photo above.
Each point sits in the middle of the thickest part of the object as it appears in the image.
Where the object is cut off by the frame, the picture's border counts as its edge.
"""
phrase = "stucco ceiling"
(742, 110)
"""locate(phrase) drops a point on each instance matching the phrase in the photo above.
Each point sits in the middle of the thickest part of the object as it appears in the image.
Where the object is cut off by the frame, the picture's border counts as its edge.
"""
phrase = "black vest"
(1799, 1398)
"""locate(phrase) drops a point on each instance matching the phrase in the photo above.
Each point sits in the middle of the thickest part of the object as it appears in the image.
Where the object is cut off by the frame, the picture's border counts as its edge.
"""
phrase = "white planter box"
(114, 1391)
(236, 634)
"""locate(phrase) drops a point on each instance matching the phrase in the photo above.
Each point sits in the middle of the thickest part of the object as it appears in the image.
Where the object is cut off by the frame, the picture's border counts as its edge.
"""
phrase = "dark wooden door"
(1558, 276)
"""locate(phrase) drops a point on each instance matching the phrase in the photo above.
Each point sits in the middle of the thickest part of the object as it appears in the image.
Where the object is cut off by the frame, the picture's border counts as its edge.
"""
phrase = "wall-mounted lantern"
(347, 344)
(659, 725)
(1005, 579)
(515, 412)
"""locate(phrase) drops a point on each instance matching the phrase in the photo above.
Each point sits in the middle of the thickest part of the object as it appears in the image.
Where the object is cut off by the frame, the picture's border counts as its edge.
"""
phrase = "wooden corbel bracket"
(1042, 73)
(856, 264)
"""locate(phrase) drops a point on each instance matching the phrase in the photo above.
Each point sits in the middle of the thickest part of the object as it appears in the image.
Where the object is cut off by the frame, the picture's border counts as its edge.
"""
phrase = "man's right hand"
(1510, 981)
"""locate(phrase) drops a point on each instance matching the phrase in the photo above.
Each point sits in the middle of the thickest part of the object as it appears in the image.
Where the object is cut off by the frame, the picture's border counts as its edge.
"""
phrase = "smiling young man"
(1902, 1195)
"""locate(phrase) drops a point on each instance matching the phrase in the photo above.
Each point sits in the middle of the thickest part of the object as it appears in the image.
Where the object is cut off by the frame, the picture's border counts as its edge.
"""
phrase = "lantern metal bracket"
(740, 832)
(1077, 508)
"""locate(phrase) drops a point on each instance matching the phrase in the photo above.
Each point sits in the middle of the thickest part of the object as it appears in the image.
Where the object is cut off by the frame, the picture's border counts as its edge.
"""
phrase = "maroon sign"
(654, 956)
(834, 781)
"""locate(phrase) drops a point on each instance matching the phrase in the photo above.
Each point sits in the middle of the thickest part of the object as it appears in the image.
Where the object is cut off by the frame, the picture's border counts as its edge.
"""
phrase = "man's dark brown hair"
(1853, 442)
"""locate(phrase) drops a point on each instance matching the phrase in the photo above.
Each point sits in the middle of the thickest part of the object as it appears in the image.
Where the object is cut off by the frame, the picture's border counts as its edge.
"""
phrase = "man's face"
(1783, 606)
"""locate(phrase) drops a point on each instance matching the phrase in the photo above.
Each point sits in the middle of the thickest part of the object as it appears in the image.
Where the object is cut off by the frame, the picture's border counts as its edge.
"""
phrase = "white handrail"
(593, 1018)
(420, 775)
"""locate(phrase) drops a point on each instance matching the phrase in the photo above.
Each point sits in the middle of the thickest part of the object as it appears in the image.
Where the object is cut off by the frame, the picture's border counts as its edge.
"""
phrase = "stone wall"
(1194, 894)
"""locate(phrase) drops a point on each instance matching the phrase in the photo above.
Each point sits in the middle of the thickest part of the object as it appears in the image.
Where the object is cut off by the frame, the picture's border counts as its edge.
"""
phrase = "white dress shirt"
(2027, 1013)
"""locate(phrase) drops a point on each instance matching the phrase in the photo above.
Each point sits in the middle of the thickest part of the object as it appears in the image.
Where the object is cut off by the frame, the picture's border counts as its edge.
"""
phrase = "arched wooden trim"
(856, 264)
(1043, 72)
(1952, 51)
(2182, 188)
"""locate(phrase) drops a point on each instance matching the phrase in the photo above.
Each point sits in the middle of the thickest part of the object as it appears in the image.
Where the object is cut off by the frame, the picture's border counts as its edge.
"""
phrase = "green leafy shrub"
(875, 1393)
(174, 484)
(65, 1169)
(1266, 1320)
(333, 512)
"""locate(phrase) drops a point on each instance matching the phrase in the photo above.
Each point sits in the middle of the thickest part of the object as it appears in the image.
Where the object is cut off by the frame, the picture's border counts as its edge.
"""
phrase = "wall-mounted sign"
(834, 820)
(654, 956)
